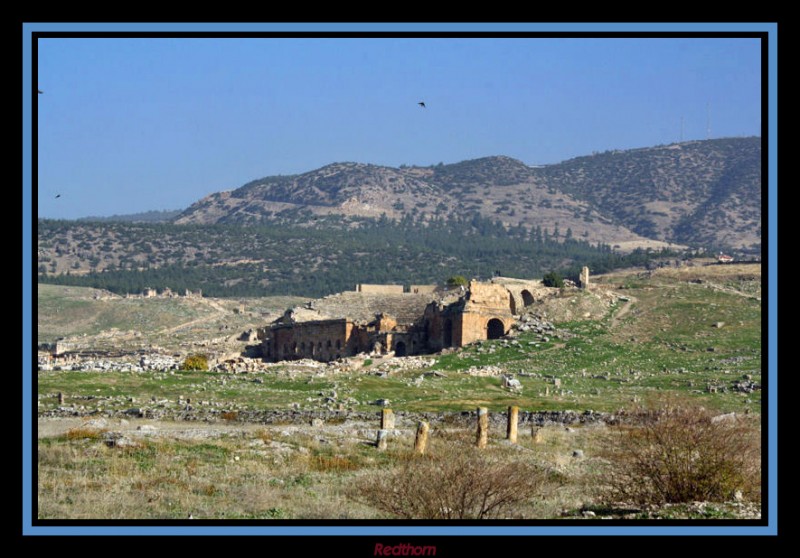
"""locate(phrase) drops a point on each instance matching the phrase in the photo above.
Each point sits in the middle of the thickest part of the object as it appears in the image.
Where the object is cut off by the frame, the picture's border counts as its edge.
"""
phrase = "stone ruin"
(584, 278)
(384, 320)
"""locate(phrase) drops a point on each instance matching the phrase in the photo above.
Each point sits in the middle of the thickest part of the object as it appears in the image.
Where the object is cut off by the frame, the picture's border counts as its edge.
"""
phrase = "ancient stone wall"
(386, 322)
(321, 340)
(422, 289)
(379, 289)
(486, 302)
(476, 326)
(405, 324)
(488, 295)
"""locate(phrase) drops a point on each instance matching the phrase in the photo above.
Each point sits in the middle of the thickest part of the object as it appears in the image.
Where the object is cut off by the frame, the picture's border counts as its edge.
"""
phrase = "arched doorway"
(447, 333)
(495, 329)
(400, 349)
(527, 298)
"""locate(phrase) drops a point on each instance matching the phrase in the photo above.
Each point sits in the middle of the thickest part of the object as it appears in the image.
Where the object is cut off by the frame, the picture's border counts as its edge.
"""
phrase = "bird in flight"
(422, 104)
(40, 91)
(58, 196)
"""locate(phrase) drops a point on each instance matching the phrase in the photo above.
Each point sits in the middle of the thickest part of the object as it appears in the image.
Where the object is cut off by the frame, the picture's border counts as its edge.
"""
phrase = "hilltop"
(699, 193)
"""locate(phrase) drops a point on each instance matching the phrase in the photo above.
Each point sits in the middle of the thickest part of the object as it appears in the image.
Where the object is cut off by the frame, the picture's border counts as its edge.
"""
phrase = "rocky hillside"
(700, 193)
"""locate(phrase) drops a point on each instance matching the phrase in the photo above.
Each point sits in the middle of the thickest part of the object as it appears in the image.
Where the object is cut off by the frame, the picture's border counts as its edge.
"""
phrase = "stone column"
(584, 278)
(387, 419)
(513, 418)
(383, 436)
(421, 441)
(483, 427)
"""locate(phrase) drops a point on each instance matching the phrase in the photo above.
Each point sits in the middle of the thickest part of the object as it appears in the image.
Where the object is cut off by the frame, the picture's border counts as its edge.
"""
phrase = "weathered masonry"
(382, 321)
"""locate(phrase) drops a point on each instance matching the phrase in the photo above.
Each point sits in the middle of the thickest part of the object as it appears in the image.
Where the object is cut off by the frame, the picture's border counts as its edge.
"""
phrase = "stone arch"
(495, 329)
(527, 297)
(447, 333)
(400, 349)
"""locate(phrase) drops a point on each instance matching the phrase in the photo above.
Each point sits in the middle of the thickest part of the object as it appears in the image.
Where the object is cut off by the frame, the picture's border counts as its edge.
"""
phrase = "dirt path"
(729, 290)
(208, 302)
(622, 312)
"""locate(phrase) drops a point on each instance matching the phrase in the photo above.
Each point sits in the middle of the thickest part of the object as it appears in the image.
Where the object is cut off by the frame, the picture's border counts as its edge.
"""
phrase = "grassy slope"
(660, 343)
(74, 312)
(657, 342)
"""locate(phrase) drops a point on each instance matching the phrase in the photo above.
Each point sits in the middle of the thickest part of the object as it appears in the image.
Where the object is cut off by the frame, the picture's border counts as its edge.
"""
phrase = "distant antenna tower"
(708, 120)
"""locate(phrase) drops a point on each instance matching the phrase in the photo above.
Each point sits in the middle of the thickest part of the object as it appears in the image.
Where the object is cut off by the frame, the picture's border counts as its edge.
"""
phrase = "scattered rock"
(724, 418)
(117, 440)
(512, 383)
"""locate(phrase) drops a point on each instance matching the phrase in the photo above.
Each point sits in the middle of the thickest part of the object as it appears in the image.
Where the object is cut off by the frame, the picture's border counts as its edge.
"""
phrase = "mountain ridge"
(704, 192)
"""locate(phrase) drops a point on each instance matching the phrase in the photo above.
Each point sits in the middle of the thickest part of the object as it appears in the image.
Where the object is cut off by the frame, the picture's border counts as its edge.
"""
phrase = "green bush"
(195, 362)
(553, 279)
(457, 281)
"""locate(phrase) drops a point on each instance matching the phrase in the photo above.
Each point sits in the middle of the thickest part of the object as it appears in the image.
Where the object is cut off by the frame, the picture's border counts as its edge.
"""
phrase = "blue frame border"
(772, 249)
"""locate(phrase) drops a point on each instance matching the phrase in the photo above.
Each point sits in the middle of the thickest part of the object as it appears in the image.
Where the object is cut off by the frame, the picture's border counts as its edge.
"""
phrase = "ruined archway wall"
(474, 326)
(308, 335)
(535, 288)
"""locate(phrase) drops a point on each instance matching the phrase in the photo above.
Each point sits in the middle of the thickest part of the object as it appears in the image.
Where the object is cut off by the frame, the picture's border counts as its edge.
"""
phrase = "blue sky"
(129, 125)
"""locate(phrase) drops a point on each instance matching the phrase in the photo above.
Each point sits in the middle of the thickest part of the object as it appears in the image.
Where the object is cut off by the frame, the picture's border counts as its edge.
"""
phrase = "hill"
(705, 193)
(314, 259)
(699, 193)
(155, 216)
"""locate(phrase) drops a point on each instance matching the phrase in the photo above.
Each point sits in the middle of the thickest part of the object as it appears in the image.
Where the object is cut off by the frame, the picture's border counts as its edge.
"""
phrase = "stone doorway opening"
(527, 298)
(447, 338)
(495, 329)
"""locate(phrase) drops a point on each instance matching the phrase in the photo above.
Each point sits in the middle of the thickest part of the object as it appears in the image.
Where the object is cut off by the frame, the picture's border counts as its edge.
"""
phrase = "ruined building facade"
(384, 321)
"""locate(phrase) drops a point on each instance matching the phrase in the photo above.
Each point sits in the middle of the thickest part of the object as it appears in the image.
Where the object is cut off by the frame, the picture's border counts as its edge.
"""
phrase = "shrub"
(195, 362)
(553, 279)
(457, 281)
(683, 453)
(82, 432)
(332, 463)
(456, 482)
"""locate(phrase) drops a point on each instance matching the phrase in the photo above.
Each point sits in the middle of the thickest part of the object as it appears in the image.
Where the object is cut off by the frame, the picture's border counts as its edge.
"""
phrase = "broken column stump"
(387, 419)
(513, 418)
(482, 437)
(383, 436)
(421, 441)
